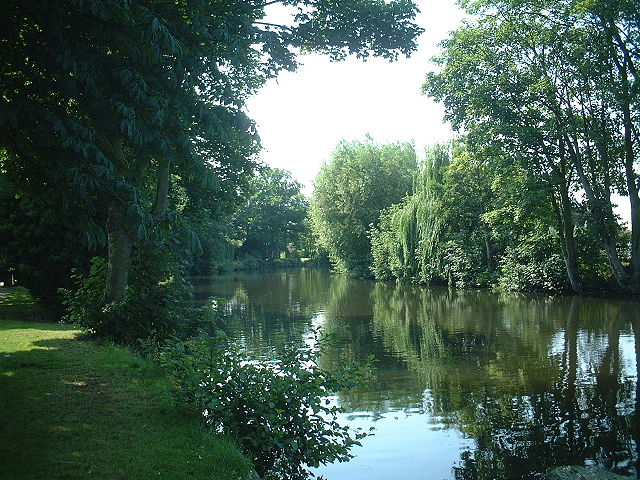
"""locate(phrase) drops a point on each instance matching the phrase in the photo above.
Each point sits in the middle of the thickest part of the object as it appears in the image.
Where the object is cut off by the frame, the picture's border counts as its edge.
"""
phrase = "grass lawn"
(71, 408)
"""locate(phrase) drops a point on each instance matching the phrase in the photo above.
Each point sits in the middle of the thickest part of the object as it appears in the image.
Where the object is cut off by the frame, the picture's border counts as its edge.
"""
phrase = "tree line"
(123, 137)
(545, 97)
(127, 161)
(126, 152)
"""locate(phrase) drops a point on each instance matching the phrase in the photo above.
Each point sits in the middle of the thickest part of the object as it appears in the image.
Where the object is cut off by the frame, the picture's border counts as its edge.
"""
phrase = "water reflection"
(470, 384)
(267, 310)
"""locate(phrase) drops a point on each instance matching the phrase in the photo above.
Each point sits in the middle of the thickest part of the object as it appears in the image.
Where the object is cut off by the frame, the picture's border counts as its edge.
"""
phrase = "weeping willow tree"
(405, 244)
(477, 219)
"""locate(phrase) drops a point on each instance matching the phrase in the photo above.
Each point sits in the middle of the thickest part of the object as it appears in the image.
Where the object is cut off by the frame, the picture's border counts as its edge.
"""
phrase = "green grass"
(16, 304)
(71, 408)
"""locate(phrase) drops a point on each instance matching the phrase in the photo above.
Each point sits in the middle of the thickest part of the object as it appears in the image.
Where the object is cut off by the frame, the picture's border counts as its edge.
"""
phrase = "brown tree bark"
(564, 217)
(119, 255)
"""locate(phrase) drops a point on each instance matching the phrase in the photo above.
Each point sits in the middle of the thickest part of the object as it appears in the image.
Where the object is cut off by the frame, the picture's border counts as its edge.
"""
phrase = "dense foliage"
(126, 118)
(476, 223)
(360, 180)
(278, 411)
(403, 248)
(43, 265)
(553, 87)
(271, 221)
(123, 137)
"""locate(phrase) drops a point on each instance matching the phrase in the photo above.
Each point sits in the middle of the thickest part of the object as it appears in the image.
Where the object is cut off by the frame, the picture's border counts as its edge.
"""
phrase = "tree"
(106, 102)
(351, 190)
(439, 233)
(273, 216)
(45, 265)
(405, 243)
(548, 80)
(471, 222)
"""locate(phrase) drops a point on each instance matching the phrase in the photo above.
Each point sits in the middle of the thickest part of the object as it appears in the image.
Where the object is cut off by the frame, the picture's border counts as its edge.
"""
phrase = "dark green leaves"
(278, 411)
(351, 191)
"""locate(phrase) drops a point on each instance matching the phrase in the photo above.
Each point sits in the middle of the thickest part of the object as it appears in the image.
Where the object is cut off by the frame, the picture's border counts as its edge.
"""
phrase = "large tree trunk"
(566, 229)
(634, 200)
(568, 238)
(630, 174)
(119, 241)
(625, 64)
(119, 255)
(120, 233)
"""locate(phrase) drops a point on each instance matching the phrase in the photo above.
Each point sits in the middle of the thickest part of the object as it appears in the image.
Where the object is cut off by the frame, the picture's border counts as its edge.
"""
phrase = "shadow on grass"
(41, 416)
(74, 409)
(22, 324)
(16, 303)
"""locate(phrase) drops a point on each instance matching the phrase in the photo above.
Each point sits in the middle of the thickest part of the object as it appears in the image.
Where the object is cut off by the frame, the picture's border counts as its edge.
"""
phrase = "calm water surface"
(470, 384)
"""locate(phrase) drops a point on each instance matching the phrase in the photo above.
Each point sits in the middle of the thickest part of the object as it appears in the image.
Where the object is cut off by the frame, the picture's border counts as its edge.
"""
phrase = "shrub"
(249, 263)
(277, 410)
(458, 266)
(153, 310)
(533, 266)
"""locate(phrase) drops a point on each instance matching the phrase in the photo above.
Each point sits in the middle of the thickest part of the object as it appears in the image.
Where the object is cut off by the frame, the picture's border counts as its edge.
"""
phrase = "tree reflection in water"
(533, 382)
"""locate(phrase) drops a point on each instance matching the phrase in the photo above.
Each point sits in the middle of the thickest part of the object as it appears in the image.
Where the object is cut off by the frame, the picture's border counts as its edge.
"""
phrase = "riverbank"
(250, 263)
(75, 409)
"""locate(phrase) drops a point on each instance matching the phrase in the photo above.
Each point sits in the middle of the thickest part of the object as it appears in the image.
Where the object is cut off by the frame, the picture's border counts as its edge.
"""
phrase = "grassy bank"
(74, 409)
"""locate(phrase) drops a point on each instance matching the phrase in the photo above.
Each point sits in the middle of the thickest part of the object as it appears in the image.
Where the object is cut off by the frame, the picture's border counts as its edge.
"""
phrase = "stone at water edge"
(582, 473)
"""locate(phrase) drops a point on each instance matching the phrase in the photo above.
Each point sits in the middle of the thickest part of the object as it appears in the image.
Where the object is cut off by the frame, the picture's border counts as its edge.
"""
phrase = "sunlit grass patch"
(74, 409)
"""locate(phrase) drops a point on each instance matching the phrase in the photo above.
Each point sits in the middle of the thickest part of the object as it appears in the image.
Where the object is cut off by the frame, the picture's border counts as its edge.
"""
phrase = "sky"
(301, 116)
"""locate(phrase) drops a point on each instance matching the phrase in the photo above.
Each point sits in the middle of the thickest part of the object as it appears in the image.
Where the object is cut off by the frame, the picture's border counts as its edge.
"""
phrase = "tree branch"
(266, 4)
(283, 27)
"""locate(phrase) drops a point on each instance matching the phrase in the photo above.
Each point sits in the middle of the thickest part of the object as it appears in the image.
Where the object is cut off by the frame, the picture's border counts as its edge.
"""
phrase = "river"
(469, 384)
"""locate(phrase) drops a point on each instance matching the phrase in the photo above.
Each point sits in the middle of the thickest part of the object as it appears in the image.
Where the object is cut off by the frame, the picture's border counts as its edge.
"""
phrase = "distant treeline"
(546, 95)
(455, 218)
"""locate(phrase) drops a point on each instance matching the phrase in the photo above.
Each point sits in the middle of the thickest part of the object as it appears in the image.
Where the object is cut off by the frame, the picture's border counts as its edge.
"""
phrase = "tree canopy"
(555, 84)
(109, 106)
(360, 180)
(272, 219)
(472, 223)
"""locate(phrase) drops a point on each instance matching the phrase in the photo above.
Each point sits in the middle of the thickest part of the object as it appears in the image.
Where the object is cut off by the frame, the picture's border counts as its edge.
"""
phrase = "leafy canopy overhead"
(107, 104)
(81, 78)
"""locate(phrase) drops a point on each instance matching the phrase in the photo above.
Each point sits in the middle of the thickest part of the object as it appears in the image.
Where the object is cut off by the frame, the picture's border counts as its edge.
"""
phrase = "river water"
(469, 384)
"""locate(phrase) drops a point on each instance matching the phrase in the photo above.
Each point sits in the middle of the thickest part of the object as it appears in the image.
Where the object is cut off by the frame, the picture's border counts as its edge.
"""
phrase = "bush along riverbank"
(74, 408)
(200, 407)
(277, 410)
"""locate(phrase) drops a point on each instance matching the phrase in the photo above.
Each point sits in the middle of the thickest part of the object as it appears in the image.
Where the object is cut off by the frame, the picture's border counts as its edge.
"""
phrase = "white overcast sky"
(301, 116)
